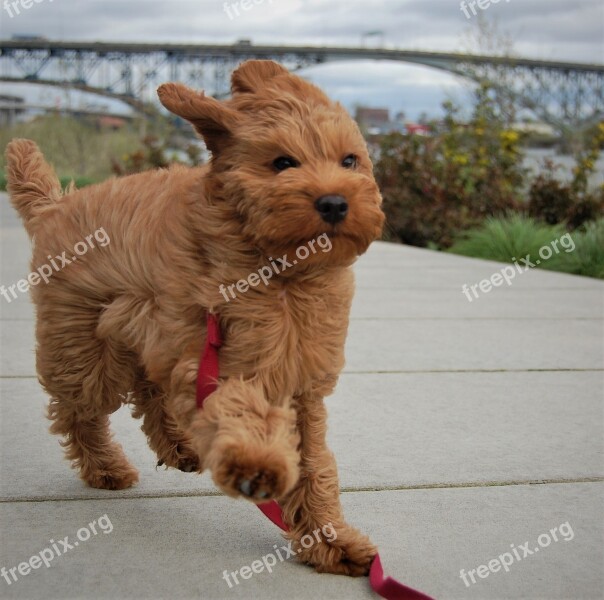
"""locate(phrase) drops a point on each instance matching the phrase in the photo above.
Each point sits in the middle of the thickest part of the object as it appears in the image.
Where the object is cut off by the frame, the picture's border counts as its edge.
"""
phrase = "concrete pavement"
(462, 431)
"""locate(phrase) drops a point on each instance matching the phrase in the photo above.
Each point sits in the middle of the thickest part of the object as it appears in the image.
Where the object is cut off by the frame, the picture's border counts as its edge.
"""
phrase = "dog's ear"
(252, 75)
(213, 120)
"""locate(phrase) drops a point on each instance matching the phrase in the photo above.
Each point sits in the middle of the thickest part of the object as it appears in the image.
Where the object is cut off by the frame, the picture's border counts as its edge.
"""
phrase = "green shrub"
(508, 238)
(436, 186)
(550, 200)
(73, 145)
(80, 182)
(516, 236)
(590, 207)
(572, 204)
(588, 256)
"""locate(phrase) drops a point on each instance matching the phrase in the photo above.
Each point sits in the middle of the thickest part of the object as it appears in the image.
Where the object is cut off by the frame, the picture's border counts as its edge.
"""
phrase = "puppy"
(125, 322)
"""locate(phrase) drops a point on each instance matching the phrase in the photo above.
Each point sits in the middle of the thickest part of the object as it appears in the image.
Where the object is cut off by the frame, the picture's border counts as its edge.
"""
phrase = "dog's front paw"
(257, 473)
(350, 553)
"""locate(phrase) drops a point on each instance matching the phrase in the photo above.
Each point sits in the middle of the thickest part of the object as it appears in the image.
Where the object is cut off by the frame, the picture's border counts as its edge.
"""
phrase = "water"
(535, 158)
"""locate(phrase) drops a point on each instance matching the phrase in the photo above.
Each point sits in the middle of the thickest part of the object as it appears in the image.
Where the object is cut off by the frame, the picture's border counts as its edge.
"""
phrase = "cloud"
(556, 29)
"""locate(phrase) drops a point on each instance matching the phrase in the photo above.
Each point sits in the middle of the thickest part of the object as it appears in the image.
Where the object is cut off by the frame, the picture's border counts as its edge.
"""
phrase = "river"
(535, 158)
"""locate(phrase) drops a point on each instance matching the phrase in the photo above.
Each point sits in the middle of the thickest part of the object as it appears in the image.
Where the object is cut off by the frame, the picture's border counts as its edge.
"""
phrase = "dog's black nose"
(332, 209)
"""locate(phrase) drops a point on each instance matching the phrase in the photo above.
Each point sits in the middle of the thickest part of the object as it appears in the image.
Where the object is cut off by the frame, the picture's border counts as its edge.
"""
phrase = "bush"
(73, 145)
(588, 208)
(153, 155)
(549, 199)
(572, 204)
(436, 186)
(516, 236)
(80, 182)
(418, 210)
(588, 256)
(508, 238)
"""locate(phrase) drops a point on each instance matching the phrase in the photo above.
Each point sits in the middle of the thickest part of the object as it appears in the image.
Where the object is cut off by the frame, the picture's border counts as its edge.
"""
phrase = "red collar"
(207, 382)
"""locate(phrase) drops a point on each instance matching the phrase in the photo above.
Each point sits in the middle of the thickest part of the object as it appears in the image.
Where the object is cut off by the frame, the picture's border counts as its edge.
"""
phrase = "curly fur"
(126, 321)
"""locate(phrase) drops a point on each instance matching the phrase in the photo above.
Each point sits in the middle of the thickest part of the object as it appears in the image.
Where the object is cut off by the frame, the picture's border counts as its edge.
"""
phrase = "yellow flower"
(509, 136)
(460, 159)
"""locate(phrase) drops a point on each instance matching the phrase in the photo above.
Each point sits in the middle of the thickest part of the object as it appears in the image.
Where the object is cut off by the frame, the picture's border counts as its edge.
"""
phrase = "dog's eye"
(285, 162)
(350, 162)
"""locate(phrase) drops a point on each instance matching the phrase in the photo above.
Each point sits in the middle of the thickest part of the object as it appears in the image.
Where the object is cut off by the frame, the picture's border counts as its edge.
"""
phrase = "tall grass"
(588, 256)
(76, 148)
(516, 236)
(503, 239)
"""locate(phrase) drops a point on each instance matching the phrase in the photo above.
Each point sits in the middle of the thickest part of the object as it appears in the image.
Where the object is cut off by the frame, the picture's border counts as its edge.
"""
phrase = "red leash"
(207, 379)
(209, 370)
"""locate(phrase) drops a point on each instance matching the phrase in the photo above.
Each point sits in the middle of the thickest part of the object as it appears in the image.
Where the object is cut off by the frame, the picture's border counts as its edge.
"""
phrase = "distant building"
(10, 108)
(373, 121)
(113, 123)
(417, 129)
(376, 122)
(534, 127)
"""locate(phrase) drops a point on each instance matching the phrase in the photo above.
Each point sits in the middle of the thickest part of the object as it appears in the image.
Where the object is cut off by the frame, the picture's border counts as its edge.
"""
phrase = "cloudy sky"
(546, 29)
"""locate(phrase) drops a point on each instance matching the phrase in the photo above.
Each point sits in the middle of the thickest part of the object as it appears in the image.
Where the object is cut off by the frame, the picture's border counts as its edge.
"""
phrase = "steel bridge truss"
(556, 92)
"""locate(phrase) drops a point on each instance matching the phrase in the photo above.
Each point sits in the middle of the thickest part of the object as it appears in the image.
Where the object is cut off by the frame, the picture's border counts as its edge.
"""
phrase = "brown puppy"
(126, 321)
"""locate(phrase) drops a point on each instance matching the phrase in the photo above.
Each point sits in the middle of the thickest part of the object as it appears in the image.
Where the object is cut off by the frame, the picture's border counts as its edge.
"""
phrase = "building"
(10, 108)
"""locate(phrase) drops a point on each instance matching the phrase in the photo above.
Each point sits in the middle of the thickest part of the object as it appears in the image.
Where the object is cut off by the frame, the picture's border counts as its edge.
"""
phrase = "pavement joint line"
(474, 484)
(597, 286)
(420, 371)
(544, 370)
(24, 320)
(344, 490)
(566, 318)
(476, 319)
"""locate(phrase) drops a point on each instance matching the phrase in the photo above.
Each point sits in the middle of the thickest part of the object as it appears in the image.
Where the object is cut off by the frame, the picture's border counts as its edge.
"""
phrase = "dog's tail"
(31, 182)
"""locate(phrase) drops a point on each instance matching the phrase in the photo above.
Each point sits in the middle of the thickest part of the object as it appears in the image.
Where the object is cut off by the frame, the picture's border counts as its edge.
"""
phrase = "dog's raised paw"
(258, 487)
(257, 476)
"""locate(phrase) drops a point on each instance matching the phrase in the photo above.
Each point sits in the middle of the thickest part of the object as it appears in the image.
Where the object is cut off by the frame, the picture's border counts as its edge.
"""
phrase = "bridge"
(560, 93)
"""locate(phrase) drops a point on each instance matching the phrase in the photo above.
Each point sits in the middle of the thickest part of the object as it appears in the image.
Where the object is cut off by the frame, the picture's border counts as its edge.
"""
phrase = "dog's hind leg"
(88, 444)
(87, 378)
(166, 439)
